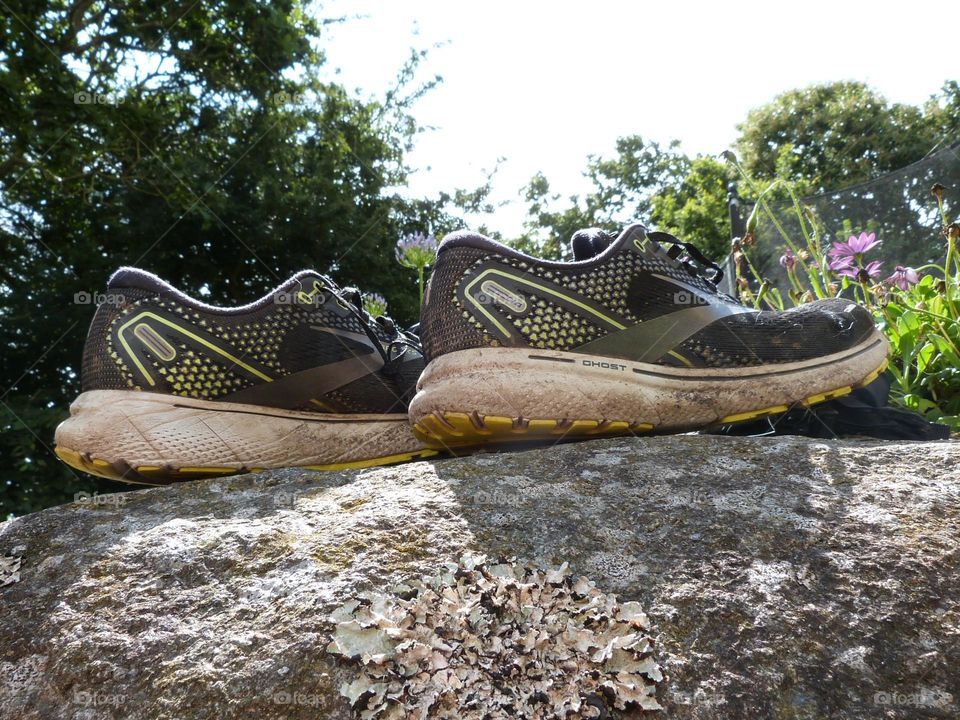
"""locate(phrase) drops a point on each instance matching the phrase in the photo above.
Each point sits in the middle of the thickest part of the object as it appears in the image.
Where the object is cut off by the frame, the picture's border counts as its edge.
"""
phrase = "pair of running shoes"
(632, 336)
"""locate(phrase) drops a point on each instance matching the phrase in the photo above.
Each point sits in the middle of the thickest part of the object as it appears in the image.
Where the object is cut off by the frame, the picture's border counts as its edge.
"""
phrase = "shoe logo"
(156, 344)
(151, 332)
(495, 292)
(307, 298)
(507, 293)
(495, 289)
(144, 326)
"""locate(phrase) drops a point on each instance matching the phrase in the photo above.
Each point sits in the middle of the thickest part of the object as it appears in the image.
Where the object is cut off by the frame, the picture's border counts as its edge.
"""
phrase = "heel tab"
(135, 278)
(467, 238)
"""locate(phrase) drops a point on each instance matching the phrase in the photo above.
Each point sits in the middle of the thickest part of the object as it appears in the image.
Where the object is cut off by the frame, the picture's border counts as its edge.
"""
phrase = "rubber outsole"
(153, 475)
(467, 431)
(156, 439)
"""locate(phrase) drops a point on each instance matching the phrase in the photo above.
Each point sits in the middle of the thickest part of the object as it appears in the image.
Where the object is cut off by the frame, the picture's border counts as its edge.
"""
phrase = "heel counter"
(101, 368)
(445, 325)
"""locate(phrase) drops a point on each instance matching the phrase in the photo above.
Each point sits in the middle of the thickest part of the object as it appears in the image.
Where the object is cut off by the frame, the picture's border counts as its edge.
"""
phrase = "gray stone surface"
(784, 578)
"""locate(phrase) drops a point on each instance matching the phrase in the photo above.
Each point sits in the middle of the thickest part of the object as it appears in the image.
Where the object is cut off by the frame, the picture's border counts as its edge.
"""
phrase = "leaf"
(925, 355)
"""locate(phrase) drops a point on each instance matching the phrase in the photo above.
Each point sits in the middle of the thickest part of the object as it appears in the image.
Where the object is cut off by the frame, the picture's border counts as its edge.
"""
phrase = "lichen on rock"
(496, 639)
(9, 569)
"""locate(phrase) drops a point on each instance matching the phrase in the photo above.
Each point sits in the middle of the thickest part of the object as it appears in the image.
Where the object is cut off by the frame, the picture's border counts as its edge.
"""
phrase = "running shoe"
(631, 336)
(175, 389)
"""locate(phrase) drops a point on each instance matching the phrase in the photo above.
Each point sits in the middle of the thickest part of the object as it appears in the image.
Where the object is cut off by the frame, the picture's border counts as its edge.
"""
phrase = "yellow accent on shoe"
(179, 328)
(153, 475)
(540, 289)
(753, 414)
(457, 429)
(461, 430)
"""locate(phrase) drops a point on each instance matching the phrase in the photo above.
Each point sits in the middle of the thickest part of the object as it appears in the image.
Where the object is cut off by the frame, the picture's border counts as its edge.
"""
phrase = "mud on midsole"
(142, 428)
(522, 382)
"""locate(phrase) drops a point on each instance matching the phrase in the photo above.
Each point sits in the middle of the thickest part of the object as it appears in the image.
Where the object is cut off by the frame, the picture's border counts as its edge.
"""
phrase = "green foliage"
(835, 135)
(921, 319)
(622, 191)
(819, 138)
(197, 139)
(695, 209)
(923, 326)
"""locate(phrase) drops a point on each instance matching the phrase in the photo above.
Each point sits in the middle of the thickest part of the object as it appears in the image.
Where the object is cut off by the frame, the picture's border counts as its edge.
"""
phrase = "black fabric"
(444, 325)
(805, 332)
(279, 335)
(865, 412)
(589, 242)
(695, 262)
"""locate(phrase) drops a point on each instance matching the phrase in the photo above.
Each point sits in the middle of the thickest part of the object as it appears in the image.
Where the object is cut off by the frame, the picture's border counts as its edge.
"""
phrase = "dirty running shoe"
(630, 336)
(175, 389)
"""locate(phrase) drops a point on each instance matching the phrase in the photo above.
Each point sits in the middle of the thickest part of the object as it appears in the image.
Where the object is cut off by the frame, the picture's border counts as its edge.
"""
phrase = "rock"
(782, 577)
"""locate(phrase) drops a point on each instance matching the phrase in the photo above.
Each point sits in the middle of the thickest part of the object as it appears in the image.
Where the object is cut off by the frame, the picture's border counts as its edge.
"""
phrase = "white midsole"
(151, 429)
(530, 383)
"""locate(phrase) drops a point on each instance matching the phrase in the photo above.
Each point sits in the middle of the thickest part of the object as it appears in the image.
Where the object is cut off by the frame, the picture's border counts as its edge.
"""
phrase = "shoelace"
(400, 342)
(694, 262)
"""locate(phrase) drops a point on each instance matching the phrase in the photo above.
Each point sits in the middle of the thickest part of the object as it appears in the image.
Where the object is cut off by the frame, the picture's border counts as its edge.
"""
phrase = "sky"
(545, 84)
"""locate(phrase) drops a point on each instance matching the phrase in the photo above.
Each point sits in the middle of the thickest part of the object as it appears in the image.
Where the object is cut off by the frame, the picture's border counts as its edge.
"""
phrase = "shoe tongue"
(589, 242)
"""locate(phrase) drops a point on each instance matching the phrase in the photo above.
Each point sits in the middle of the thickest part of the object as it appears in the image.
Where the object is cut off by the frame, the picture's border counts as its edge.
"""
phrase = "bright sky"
(544, 84)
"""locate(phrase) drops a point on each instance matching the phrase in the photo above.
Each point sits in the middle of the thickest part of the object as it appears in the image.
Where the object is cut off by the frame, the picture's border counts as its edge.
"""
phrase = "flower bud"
(753, 220)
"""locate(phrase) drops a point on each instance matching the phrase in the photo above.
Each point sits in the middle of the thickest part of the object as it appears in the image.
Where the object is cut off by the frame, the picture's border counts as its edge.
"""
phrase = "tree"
(197, 139)
(621, 193)
(695, 209)
(860, 162)
(834, 135)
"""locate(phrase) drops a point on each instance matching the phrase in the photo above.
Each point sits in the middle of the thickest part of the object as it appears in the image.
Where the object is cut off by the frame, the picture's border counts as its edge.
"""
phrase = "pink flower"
(861, 274)
(903, 277)
(854, 246)
(788, 259)
(839, 264)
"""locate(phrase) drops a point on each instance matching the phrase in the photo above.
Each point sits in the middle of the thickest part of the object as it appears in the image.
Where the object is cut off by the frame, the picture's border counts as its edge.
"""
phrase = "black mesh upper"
(100, 371)
(445, 325)
(276, 339)
(801, 333)
(631, 284)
